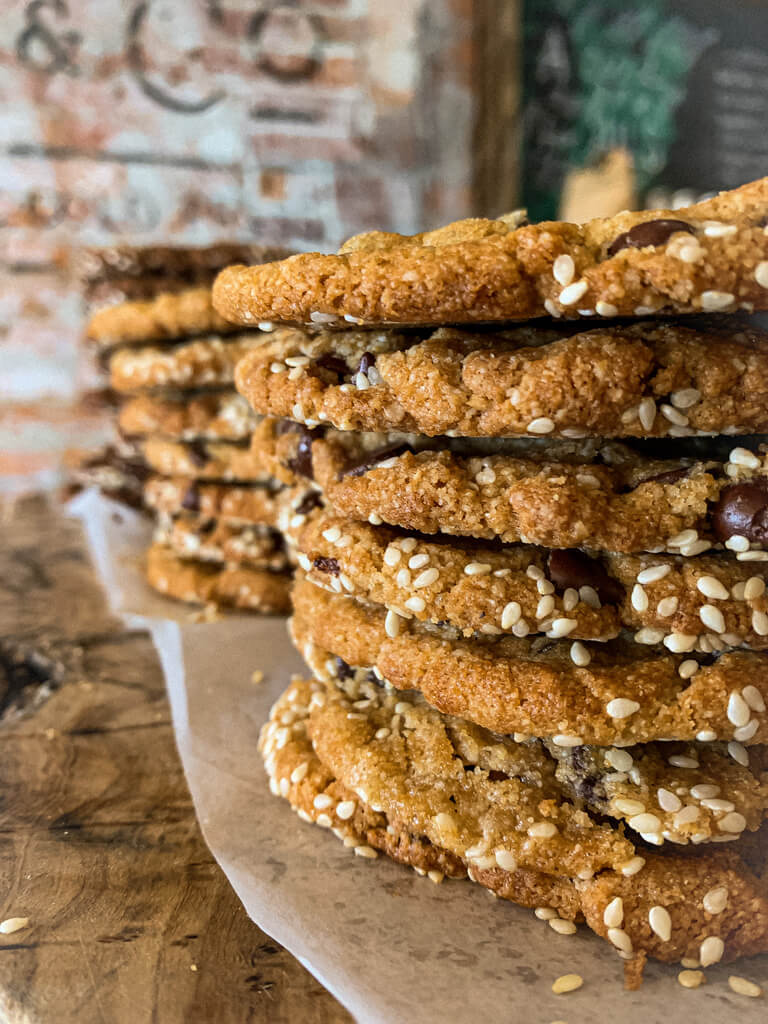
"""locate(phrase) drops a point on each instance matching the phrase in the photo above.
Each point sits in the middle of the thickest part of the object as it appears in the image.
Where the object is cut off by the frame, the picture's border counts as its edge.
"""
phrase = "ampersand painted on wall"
(43, 48)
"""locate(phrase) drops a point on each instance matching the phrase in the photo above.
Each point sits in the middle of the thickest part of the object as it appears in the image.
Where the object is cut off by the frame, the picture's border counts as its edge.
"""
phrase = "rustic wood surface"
(130, 918)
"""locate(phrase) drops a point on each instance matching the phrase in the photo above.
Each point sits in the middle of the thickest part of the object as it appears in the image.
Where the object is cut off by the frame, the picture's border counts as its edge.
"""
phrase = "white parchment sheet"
(391, 946)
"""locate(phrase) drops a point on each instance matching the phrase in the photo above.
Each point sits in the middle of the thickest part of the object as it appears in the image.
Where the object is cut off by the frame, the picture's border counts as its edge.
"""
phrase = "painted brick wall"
(144, 121)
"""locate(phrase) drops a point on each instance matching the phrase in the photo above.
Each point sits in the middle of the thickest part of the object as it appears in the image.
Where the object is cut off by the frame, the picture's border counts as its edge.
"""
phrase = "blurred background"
(189, 122)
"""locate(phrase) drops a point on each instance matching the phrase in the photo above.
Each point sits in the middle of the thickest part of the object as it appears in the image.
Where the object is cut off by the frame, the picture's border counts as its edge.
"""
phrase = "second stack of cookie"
(535, 589)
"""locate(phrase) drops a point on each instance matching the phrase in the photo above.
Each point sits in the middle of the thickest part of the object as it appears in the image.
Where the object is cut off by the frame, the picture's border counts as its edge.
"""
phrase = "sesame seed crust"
(522, 381)
(205, 540)
(176, 495)
(203, 362)
(533, 686)
(233, 586)
(205, 460)
(558, 494)
(321, 742)
(215, 416)
(476, 271)
(506, 593)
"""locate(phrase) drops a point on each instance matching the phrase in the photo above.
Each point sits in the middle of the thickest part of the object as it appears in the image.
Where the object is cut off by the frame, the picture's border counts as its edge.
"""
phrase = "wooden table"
(130, 918)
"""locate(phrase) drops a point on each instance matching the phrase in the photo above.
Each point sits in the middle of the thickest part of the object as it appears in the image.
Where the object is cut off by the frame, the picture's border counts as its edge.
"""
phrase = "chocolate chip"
(742, 509)
(494, 775)
(198, 453)
(374, 458)
(191, 499)
(301, 461)
(310, 501)
(343, 670)
(574, 569)
(367, 360)
(332, 363)
(323, 564)
(283, 427)
(650, 232)
(671, 476)
(207, 526)
(371, 677)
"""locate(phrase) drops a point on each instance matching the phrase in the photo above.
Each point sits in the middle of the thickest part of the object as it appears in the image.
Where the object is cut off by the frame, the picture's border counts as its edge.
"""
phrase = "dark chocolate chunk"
(343, 670)
(367, 360)
(301, 461)
(310, 501)
(191, 499)
(197, 452)
(372, 459)
(323, 564)
(572, 568)
(494, 775)
(207, 526)
(332, 363)
(287, 427)
(671, 476)
(742, 509)
(650, 232)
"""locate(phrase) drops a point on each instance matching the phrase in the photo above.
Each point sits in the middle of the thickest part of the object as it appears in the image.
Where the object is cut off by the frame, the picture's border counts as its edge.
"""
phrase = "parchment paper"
(391, 946)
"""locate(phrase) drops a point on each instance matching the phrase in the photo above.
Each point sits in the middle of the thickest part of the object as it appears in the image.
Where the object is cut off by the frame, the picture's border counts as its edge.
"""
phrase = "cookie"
(615, 693)
(417, 785)
(639, 380)
(207, 540)
(206, 362)
(607, 497)
(118, 470)
(165, 317)
(213, 416)
(712, 256)
(205, 460)
(174, 496)
(232, 586)
(525, 590)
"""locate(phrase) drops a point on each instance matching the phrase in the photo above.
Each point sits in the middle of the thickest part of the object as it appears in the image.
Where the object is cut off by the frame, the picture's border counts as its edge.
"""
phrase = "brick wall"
(144, 121)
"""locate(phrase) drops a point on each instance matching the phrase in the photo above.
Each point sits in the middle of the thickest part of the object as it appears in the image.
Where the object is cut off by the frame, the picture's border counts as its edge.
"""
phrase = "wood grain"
(131, 919)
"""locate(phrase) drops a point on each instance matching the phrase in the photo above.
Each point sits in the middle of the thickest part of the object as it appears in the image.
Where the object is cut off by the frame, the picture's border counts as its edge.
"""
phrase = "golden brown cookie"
(639, 380)
(526, 590)
(606, 497)
(205, 362)
(420, 787)
(205, 460)
(712, 256)
(232, 586)
(232, 504)
(216, 415)
(578, 692)
(207, 540)
(162, 318)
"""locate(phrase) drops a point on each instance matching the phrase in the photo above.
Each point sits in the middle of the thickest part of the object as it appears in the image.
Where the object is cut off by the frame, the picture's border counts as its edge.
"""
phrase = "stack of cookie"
(183, 430)
(534, 586)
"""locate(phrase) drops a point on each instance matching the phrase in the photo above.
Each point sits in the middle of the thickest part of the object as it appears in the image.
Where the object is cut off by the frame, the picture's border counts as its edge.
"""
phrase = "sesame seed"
(738, 709)
(621, 760)
(685, 398)
(714, 804)
(712, 618)
(645, 823)
(567, 983)
(760, 623)
(632, 866)
(571, 294)
(418, 561)
(711, 950)
(752, 556)
(613, 915)
(381, 734)
(741, 986)
(392, 556)
(345, 809)
(562, 627)
(551, 308)
(542, 830)
(557, 924)
(409, 543)
(477, 569)
(733, 822)
(534, 572)
(639, 598)
(374, 519)
(737, 543)
(563, 269)
(13, 924)
(284, 787)
(679, 643)
(738, 753)
(620, 939)
(660, 922)
(744, 457)
(754, 698)
(545, 587)
(506, 860)
(714, 229)
(545, 913)
(606, 308)
(668, 801)
(322, 801)
(485, 476)
(590, 597)
(716, 900)
(299, 773)
(277, 367)
(681, 761)
(403, 579)
(706, 736)
(510, 615)
(392, 624)
(621, 707)
(667, 606)
(366, 851)
(415, 604)
(626, 806)
(545, 606)
(691, 979)
(689, 550)
(761, 273)
(704, 791)
(580, 654)
(713, 300)
(541, 425)
(674, 415)
(683, 538)
(563, 740)
(425, 579)
(648, 635)
(653, 574)
(712, 588)
(520, 629)
(646, 412)
(754, 588)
